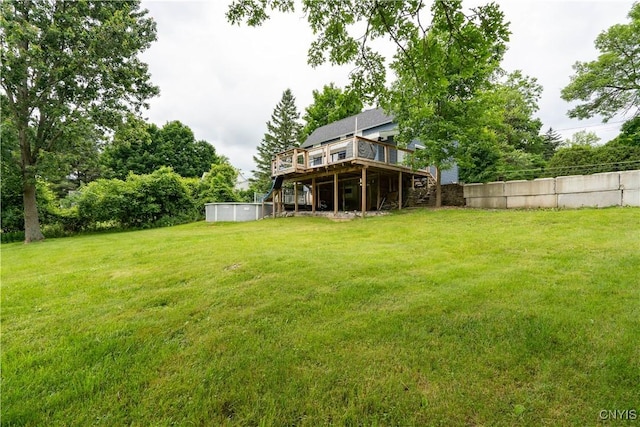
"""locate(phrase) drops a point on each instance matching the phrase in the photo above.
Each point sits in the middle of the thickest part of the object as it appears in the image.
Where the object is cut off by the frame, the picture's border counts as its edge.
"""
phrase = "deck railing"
(303, 160)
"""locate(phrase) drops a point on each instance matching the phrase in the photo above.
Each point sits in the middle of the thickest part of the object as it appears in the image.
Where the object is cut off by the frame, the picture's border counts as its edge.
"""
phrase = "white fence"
(598, 190)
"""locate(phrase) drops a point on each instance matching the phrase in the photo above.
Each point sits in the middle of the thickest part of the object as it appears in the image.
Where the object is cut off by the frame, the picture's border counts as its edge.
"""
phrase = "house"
(352, 164)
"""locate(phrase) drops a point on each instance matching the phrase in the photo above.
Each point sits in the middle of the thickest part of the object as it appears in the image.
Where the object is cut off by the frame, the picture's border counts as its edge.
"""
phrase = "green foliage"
(139, 201)
(518, 164)
(580, 159)
(506, 136)
(610, 84)
(132, 149)
(142, 148)
(283, 132)
(509, 110)
(582, 138)
(330, 105)
(441, 74)
(629, 133)
(217, 185)
(68, 67)
(551, 141)
(11, 185)
(486, 161)
(11, 210)
(479, 162)
(149, 200)
(180, 150)
(338, 27)
(103, 200)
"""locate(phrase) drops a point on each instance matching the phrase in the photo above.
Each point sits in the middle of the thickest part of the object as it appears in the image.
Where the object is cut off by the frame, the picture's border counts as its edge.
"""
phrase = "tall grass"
(448, 317)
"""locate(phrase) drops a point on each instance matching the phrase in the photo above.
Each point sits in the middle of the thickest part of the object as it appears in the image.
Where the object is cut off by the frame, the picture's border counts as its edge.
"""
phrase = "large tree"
(284, 131)
(67, 66)
(516, 102)
(507, 139)
(441, 75)
(330, 105)
(440, 64)
(141, 148)
(611, 84)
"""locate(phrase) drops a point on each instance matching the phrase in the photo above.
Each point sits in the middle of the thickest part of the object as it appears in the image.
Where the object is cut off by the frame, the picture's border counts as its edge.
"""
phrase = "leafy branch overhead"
(611, 84)
(347, 30)
(444, 57)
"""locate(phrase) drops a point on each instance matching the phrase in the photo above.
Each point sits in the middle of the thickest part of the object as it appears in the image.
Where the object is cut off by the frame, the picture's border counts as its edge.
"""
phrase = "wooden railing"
(304, 160)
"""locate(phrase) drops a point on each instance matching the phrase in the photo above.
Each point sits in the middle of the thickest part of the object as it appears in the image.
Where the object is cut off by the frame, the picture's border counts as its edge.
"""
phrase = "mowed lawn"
(428, 317)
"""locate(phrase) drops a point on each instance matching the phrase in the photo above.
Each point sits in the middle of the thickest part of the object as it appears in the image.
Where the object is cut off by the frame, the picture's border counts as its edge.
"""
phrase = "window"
(340, 155)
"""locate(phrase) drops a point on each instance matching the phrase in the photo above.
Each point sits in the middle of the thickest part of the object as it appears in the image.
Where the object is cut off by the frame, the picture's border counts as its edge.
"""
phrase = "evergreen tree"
(551, 140)
(283, 132)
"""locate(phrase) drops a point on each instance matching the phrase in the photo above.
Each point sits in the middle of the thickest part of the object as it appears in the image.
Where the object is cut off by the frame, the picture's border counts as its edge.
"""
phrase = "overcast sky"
(224, 81)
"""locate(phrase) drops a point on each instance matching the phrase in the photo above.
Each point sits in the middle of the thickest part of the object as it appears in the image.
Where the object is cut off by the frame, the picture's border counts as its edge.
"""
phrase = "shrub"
(102, 200)
(154, 197)
(140, 201)
(586, 159)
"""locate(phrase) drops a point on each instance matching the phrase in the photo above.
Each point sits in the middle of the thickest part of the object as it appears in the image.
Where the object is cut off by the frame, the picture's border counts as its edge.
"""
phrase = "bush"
(161, 195)
(102, 200)
(586, 159)
(216, 186)
(139, 202)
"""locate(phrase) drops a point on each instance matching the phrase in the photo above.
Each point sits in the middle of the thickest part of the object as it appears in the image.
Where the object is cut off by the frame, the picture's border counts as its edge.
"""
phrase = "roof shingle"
(366, 120)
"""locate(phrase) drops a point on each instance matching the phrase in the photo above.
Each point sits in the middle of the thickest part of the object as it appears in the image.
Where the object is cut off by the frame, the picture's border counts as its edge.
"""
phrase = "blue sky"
(224, 81)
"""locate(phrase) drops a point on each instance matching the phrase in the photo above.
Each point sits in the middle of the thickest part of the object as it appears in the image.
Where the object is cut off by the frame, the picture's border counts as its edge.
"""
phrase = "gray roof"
(366, 120)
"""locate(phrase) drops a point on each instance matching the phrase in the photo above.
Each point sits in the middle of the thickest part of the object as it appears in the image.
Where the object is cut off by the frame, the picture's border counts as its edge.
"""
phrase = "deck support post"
(313, 195)
(280, 201)
(378, 192)
(335, 193)
(400, 190)
(295, 196)
(275, 203)
(364, 191)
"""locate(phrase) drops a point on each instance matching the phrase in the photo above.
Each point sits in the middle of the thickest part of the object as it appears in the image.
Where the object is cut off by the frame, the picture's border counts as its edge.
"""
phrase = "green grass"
(448, 317)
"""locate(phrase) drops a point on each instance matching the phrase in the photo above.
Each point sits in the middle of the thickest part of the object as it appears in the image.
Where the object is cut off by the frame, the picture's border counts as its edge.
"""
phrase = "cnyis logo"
(618, 414)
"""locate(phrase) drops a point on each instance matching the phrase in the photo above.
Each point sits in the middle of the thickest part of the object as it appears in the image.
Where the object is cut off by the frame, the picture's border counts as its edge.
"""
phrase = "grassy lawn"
(448, 317)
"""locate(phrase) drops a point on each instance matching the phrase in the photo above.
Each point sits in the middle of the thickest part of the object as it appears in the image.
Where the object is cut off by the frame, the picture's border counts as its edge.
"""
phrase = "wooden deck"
(351, 174)
(348, 154)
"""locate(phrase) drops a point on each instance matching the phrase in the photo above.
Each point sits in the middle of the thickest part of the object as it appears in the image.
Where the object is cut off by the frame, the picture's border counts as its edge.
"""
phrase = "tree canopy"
(440, 64)
(611, 84)
(67, 66)
(330, 105)
(346, 32)
(440, 77)
(629, 133)
(141, 148)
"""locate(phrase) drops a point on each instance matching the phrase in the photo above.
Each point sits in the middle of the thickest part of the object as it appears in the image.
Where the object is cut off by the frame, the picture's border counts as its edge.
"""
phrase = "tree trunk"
(32, 230)
(438, 188)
